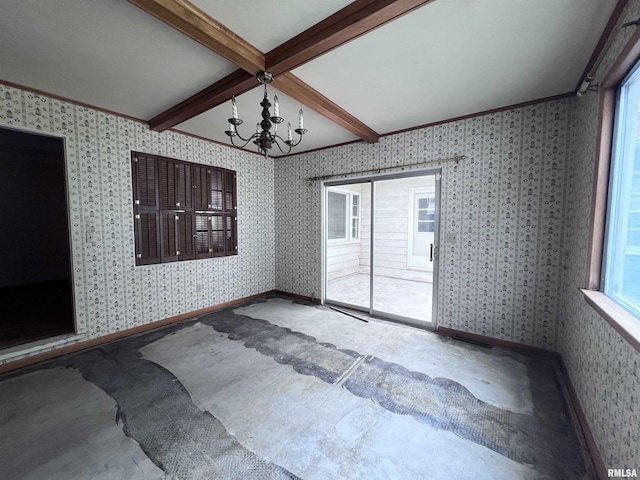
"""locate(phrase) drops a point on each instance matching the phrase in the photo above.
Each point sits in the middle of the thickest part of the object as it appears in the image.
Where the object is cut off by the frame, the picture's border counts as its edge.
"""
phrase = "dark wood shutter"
(144, 169)
(230, 244)
(200, 187)
(147, 238)
(229, 190)
(217, 235)
(167, 183)
(169, 236)
(203, 236)
(186, 236)
(145, 172)
(182, 210)
(217, 190)
(184, 187)
(230, 206)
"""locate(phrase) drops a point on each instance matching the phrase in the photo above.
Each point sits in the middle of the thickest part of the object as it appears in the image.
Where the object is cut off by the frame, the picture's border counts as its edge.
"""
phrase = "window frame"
(624, 149)
(171, 197)
(349, 217)
(618, 317)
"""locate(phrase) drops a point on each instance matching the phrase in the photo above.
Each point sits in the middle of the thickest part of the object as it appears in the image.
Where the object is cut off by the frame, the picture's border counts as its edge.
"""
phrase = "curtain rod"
(379, 170)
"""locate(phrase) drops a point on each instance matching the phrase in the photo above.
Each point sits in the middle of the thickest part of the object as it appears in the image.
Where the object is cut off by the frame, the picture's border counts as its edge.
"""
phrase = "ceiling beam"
(294, 87)
(233, 84)
(349, 23)
(196, 24)
(355, 19)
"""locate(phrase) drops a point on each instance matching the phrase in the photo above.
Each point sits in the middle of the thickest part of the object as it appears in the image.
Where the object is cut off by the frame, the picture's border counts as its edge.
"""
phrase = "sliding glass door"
(381, 245)
(347, 238)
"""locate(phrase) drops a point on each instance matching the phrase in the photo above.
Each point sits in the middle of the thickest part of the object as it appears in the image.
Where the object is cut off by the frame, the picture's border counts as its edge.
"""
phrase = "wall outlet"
(89, 236)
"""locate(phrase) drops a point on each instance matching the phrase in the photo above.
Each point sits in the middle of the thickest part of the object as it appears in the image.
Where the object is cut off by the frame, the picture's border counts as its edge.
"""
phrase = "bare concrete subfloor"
(407, 298)
(277, 389)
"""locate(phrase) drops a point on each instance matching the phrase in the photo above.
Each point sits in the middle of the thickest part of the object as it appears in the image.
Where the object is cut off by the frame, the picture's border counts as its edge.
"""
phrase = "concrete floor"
(278, 389)
(406, 298)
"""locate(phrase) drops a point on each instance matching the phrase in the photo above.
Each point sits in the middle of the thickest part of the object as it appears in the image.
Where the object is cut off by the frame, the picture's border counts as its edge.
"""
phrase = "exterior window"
(622, 258)
(182, 210)
(343, 216)
(426, 214)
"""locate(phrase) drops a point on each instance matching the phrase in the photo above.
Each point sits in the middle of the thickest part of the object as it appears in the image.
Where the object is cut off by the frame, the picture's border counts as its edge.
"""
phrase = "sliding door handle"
(431, 253)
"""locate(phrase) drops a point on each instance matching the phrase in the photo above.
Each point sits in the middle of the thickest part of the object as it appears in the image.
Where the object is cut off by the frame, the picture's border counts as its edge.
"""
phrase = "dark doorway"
(35, 264)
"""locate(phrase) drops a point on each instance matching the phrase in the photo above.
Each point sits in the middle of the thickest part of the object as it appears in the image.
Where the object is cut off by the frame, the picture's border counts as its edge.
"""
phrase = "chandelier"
(263, 137)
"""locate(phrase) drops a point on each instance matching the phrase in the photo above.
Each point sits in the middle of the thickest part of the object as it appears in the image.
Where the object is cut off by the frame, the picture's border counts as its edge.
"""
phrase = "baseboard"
(94, 342)
(496, 342)
(297, 297)
(573, 398)
(598, 463)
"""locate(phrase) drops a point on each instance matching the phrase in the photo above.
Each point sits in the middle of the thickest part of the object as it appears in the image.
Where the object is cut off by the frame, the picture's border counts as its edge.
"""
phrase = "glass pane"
(622, 278)
(336, 213)
(402, 271)
(347, 264)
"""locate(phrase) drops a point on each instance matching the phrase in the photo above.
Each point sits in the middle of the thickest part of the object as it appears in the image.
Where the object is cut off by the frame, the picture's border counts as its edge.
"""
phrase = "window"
(182, 210)
(621, 279)
(426, 214)
(343, 215)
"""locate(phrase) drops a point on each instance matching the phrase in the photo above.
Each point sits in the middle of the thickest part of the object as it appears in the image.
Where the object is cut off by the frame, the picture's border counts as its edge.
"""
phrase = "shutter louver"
(229, 191)
(147, 238)
(184, 189)
(146, 180)
(217, 235)
(203, 242)
(185, 236)
(169, 237)
(216, 189)
(200, 188)
(167, 183)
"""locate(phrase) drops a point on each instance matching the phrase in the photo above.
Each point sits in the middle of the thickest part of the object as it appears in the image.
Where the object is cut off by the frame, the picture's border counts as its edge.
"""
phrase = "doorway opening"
(36, 298)
(381, 245)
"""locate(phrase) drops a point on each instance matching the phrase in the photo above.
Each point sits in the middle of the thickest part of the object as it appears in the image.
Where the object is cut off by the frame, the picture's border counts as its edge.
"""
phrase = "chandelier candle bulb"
(301, 121)
(234, 108)
(276, 109)
(289, 137)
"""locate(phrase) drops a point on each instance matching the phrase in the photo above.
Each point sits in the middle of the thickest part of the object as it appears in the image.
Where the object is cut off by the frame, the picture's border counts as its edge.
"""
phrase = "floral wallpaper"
(514, 233)
(111, 293)
(503, 204)
(603, 366)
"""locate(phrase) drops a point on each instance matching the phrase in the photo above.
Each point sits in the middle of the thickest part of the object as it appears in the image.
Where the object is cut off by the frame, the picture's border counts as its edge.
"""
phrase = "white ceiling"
(447, 59)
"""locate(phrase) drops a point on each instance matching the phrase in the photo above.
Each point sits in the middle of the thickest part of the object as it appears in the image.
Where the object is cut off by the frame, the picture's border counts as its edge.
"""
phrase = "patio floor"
(396, 296)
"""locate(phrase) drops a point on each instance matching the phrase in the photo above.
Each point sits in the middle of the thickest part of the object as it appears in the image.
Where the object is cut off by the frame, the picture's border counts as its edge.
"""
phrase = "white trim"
(412, 212)
(348, 216)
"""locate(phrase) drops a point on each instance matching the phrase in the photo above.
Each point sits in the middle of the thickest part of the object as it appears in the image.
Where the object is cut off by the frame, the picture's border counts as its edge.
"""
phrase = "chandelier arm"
(246, 141)
(275, 138)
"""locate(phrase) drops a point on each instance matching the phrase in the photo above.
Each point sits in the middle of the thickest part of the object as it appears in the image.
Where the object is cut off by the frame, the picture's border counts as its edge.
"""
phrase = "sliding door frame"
(372, 179)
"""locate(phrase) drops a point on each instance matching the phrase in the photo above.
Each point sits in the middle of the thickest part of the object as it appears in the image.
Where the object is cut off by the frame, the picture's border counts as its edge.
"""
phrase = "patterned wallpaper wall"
(503, 204)
(111, 293)
(604, 368)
